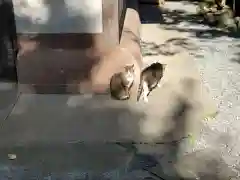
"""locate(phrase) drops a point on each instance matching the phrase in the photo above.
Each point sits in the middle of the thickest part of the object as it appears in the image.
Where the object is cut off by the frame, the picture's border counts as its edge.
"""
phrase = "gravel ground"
(218, 59)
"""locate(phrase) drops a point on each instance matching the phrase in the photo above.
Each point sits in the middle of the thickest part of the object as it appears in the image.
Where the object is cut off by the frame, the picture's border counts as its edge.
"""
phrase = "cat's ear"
(131, 66)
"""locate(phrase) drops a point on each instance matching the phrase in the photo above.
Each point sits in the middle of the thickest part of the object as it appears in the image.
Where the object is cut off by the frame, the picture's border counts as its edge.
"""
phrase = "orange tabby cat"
(121, 83)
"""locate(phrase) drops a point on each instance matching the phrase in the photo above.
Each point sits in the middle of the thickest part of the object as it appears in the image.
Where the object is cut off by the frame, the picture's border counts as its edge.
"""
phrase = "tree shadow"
(154, 14)
(170, 47)
(206, 34)
(170, 19)
(174, 17)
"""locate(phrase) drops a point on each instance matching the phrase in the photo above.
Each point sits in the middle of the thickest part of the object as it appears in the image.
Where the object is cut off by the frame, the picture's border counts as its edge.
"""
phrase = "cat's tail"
(140, 89)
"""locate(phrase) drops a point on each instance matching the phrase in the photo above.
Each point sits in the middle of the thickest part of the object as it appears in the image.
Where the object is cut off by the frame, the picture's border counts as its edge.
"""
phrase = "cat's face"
(129, 69)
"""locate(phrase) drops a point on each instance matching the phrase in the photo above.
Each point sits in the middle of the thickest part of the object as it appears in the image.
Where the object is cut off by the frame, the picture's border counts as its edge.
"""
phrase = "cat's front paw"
(145, 99)
(159, 85)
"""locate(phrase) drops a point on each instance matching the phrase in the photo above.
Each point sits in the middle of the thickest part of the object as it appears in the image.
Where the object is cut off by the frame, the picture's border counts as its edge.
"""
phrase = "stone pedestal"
(64, 44)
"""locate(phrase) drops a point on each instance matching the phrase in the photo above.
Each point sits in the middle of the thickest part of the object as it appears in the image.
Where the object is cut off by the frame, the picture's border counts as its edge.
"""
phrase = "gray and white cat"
(150, 79)
(121, 83)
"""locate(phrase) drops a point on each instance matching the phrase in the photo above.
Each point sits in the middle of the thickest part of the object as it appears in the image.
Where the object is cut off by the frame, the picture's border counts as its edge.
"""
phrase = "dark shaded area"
(8, 43)
(122, 8)
(150, 14)
(237, 9)
(8, 56)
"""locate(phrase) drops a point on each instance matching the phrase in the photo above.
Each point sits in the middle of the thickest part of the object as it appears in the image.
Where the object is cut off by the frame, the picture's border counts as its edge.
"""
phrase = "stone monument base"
(81, 63)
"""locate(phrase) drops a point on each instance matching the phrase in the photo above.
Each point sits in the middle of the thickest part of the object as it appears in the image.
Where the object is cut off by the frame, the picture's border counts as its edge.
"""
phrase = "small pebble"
(12, 156)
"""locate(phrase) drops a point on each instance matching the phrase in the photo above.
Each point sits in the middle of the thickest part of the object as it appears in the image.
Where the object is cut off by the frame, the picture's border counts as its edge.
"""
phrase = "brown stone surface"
(43, 63)
(114, 62)
(131, 35)
(127, 52)
(67, 63)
